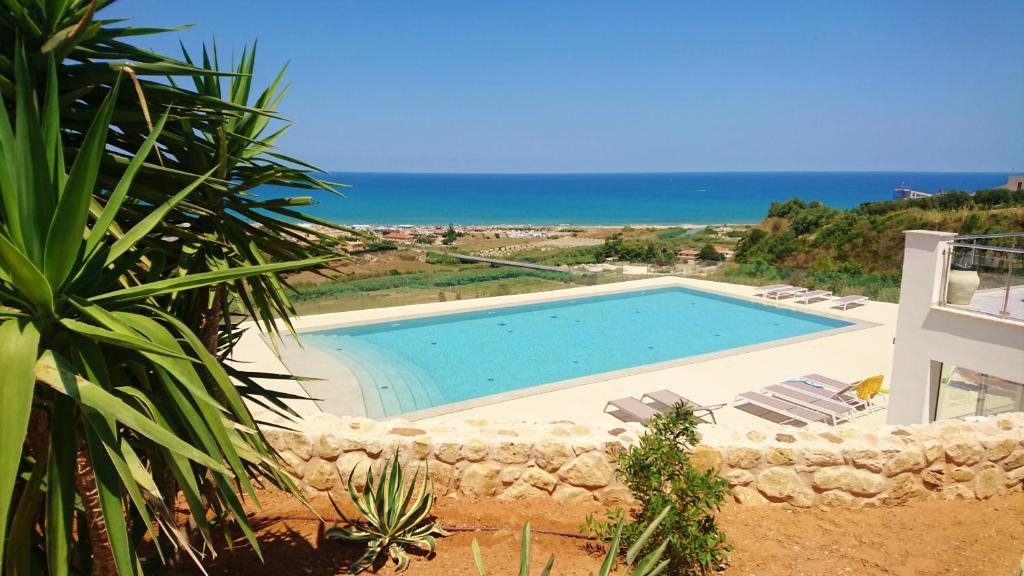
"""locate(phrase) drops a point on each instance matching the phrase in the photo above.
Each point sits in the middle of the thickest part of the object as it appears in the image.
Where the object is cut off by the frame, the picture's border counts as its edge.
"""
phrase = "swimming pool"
(418, 364)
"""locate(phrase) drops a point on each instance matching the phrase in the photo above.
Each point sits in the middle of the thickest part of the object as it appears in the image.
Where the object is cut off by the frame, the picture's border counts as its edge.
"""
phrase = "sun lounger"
(847, 301)
(633, 408)
(845, 395)
(835, 410)
(806, 297)
(763, 290)
(845, 389)
(668, 399)
(786, 292)
(781, 407)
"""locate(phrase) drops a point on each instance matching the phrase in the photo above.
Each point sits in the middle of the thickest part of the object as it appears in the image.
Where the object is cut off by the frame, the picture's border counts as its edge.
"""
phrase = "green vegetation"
(650, 251)
(380, 246)
(442, 258)
(668, 486)
(394, 519)
(650, 565)
(428, 280)
(560, 257)
(860, 250)
(450, 236)
(709, 254)
(126, 236)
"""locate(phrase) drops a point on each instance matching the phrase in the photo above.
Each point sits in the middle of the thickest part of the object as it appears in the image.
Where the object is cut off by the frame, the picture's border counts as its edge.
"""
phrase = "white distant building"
(1015, 183)
(906, 193)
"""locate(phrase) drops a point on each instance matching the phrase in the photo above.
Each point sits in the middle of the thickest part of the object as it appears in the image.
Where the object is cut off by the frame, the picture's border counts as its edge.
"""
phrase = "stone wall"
(817, 465)
(565, 461)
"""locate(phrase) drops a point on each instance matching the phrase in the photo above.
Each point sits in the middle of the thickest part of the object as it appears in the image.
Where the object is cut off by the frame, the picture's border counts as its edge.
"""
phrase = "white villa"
(954, 360)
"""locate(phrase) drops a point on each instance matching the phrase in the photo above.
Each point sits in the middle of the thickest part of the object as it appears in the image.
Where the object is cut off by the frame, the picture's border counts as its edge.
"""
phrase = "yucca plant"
(106, 393)
(394, 519)
(217, 127)
(650, 565)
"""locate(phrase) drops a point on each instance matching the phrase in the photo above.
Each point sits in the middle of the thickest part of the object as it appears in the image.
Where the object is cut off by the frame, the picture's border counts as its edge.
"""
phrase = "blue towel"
(806, 381)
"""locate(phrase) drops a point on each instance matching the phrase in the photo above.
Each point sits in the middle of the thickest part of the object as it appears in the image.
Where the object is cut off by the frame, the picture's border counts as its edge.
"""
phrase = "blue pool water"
(422, 363)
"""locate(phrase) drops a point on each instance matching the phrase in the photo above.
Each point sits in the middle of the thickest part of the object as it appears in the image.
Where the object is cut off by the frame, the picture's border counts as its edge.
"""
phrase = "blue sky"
(595, 86)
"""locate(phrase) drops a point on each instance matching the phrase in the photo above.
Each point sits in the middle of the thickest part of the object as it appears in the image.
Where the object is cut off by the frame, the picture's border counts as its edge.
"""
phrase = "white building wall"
(928, 335)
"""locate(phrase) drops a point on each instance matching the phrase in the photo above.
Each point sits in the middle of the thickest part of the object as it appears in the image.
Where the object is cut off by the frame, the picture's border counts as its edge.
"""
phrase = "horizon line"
(611, 172)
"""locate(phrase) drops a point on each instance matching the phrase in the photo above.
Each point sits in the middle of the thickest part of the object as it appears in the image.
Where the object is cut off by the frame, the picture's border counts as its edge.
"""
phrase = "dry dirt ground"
(926, 539)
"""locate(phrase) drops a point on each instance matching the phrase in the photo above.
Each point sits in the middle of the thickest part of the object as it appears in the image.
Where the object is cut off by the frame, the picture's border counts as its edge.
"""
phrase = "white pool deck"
(845, 354)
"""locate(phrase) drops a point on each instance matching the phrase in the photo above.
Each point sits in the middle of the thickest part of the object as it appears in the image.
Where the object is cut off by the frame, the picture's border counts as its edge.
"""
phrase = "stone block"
(904, 461)
(999, 448)
(480, 480)
(328, 447)
(551, 454)
(964, 452)
(615, 496)
(521, 491)
(320, 474)
(299, 444)
(590, 470)
(1014, 460)
(572, 495)
(539, 479)
(852, 480)
(905, 488)
(837, 499)
(748, 496)
(784, 484)
(475, 450)
(510, 474)
(706, 458)
(821, 456)
(961, 474)
(738, 477)
(447, 452)
(987, 483)
(869, 459)
(781, 456)
(744, 457)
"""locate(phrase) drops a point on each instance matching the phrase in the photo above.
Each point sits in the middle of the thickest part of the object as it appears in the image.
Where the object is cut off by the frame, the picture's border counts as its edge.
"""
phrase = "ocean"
(608, 199)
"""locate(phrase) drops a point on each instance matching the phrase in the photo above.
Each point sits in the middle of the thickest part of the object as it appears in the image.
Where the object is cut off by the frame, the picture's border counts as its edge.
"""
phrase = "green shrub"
(660, 476)
(391, 522)
(650, 565)
(441, 258)
(708, 253)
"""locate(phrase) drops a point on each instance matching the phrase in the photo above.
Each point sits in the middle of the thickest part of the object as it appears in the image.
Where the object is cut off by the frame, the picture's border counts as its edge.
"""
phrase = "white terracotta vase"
(961, 286)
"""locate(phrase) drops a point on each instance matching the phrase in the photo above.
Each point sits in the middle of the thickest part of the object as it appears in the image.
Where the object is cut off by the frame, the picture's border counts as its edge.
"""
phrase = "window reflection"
(965, 392)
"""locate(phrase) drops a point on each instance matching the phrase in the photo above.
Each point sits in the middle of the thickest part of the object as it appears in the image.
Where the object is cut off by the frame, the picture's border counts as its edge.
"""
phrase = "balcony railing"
(991, 264)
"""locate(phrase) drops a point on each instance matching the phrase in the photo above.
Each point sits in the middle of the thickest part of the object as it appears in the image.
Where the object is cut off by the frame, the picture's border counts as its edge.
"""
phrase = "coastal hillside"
(860, 250)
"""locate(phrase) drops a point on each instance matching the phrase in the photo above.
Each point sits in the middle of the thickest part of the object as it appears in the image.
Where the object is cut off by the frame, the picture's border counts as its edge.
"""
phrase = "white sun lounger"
(845, 395)
(669, 398)
(786, 292)
(781, 407)
(847, 301)
(764, 290)
(806, 297)
(843, 388)
(633, 408)
(835, 410)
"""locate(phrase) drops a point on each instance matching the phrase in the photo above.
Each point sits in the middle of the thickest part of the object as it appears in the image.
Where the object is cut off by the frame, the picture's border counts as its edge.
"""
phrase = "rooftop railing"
(984, 273)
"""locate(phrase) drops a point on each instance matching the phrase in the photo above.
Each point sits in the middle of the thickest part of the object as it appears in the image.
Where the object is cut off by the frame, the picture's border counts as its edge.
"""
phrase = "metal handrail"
(980, 236)
(990, 248)
(974, 248)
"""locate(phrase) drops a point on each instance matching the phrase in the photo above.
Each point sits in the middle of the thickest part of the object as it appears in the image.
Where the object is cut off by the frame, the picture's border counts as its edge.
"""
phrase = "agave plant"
(106, 393)
(650, 565)
(391, 522)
